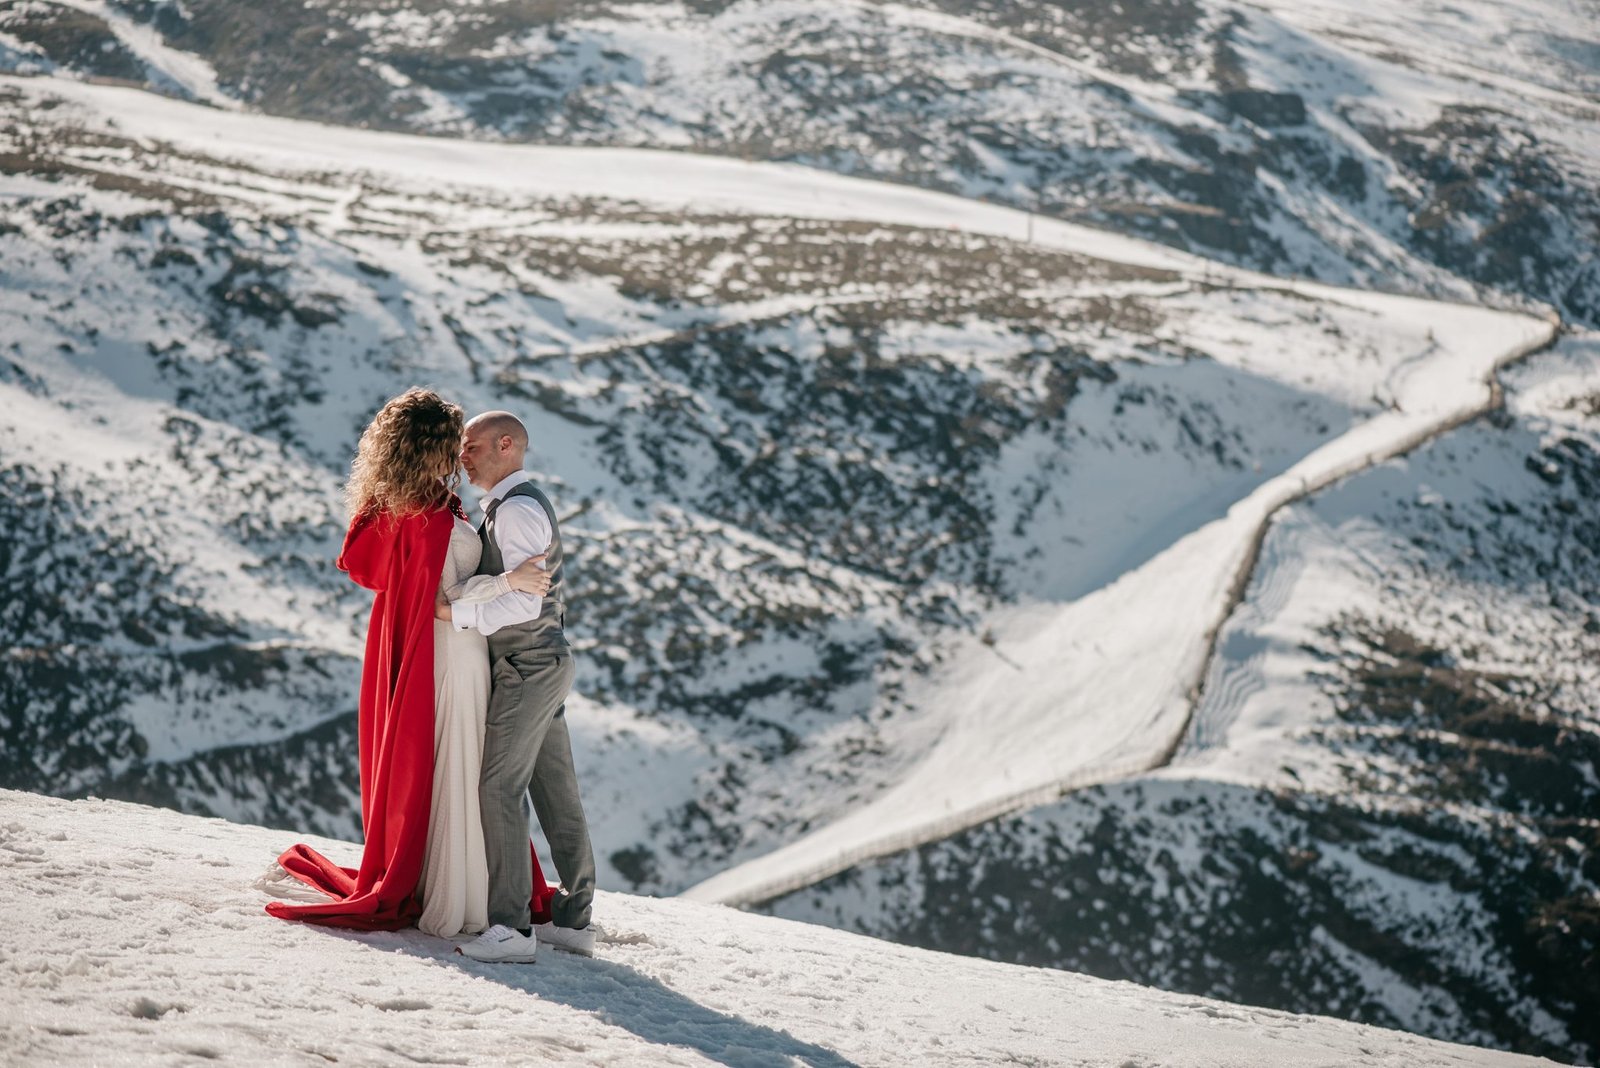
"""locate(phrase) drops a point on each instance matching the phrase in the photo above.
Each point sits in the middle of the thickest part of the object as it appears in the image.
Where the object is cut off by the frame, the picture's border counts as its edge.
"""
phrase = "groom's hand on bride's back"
(441, 609)
(530, 576)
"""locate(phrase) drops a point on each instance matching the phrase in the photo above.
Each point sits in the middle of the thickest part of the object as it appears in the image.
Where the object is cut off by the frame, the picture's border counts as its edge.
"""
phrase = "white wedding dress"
(455, 870)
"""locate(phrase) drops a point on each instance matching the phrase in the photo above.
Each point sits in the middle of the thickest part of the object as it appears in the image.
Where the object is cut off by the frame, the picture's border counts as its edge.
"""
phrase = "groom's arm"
(522, 530)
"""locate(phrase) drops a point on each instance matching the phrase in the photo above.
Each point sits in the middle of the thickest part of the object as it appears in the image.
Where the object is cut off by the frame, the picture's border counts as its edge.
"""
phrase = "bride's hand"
(530, 577)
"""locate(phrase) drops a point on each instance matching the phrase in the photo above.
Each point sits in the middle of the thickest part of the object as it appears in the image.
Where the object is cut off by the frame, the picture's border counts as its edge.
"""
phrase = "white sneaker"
(501, 945)
(579, 940)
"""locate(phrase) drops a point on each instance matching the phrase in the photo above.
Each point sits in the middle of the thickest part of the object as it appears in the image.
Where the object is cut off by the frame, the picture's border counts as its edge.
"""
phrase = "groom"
(526, 750)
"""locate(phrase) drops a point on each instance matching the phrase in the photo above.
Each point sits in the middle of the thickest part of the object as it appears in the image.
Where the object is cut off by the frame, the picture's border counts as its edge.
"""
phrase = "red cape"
(401, 561)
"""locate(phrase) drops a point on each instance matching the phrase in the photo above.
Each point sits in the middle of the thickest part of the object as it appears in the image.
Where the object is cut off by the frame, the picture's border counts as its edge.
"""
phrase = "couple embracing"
(463, 688)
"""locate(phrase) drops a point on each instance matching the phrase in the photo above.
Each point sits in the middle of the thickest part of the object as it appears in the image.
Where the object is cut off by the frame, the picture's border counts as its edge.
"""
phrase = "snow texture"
(138, 938)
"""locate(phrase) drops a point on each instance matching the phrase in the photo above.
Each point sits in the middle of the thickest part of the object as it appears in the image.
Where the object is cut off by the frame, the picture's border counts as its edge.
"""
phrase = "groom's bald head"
(497, 425)
(493, 447)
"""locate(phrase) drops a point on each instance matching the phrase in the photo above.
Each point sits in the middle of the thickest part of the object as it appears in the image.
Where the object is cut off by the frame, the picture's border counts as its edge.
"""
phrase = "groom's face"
(480, 458)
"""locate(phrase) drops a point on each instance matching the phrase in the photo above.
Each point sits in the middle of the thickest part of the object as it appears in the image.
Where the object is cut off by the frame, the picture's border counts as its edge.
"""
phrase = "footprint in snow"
(403, 1005)
(144, 1008)
(625, 938)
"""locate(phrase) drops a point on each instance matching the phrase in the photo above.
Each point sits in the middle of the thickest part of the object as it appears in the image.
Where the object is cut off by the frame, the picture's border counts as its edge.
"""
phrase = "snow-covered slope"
(1426, 148)
(1102, 687)
(1046, 672)
(803, 463)
(135, 937)
(847, 465)
(1385, 806)
(1055, 712)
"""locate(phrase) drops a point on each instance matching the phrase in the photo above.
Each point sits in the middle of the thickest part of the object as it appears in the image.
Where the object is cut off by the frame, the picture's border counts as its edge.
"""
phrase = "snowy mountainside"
(1384, 808)
(138, 937)
(1428, 148)
(804, 455)
(799, 456)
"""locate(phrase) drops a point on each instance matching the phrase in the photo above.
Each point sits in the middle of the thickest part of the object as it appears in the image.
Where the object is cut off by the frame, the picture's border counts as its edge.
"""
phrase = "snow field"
(137, 938)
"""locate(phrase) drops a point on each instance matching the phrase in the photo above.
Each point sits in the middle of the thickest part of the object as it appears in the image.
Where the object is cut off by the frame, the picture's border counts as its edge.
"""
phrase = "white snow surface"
(136, 937)
(659, 178)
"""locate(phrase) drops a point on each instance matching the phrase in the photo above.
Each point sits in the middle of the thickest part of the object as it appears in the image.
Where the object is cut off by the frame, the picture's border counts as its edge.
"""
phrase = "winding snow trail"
(1101, 688)
(1064, 695)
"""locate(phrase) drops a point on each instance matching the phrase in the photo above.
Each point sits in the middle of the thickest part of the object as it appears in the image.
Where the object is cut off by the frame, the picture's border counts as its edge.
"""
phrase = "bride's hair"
(406, 462)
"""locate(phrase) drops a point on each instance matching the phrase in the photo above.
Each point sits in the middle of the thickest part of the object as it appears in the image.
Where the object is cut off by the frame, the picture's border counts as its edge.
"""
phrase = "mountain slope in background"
(806, 449)
(797, 456)
(1384, 805)
(1431, 148)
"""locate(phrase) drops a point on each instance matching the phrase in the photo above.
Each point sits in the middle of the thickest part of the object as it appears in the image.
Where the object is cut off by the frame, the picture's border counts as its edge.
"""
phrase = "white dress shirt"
(522, 531)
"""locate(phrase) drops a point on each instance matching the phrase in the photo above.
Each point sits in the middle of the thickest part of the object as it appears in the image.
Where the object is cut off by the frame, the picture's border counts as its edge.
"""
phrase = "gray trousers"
(527, 753)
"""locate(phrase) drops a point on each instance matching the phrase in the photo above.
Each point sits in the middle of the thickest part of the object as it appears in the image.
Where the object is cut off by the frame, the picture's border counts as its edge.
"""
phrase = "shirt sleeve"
(522, 531)
(476, 589)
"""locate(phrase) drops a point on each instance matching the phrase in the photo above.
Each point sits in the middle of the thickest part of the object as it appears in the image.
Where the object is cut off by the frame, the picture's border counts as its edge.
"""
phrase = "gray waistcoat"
(544, 632)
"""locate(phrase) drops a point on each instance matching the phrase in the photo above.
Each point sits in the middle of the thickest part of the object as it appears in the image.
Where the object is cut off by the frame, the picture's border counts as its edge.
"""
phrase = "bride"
(424, 692)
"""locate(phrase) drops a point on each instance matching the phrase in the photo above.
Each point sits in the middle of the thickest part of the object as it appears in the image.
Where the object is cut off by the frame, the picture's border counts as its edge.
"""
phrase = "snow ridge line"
(774, 887)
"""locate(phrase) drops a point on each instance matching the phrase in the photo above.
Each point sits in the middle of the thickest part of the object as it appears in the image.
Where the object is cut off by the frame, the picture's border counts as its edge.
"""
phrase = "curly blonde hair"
(406, 462)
